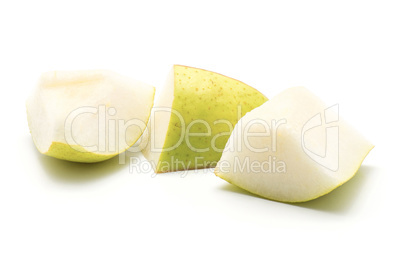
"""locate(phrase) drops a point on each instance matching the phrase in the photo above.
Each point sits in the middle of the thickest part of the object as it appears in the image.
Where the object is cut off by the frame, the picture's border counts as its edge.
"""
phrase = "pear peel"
(303, 149)
(87, 116)
(193, 118)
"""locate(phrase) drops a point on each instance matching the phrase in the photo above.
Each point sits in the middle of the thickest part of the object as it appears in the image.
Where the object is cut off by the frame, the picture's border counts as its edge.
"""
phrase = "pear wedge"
(193, 118)
(87, 116)
(293, 148)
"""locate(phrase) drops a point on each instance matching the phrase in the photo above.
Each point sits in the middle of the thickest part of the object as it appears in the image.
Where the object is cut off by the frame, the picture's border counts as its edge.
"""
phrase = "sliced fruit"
(193, 118)
(292, 149)
(87, 116)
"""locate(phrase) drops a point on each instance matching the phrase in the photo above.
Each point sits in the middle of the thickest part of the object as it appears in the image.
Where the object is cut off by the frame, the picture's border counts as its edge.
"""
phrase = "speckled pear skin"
(75, 153)
(210, 97)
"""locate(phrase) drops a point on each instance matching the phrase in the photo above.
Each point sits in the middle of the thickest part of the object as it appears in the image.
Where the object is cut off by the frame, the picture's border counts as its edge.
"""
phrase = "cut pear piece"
(193, 118)
(87, 116)
(292, 149)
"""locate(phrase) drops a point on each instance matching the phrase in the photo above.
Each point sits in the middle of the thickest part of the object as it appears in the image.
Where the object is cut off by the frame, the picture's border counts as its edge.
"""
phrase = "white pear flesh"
(87, 116)
(297, 149)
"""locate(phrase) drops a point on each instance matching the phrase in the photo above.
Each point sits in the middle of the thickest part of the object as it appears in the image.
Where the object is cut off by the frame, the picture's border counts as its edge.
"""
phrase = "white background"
(61, 218)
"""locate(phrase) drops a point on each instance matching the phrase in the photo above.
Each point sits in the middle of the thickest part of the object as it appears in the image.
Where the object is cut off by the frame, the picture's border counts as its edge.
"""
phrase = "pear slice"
(87, 116)
(193, 118)
(292, 149)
